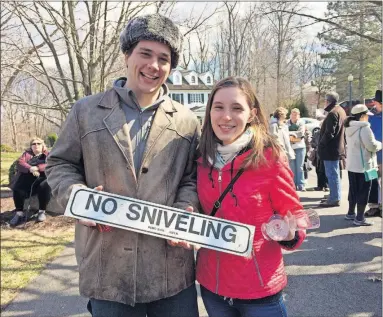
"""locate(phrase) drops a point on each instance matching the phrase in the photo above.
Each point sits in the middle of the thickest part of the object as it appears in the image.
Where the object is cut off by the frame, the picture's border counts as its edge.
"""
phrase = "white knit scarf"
(226, 153)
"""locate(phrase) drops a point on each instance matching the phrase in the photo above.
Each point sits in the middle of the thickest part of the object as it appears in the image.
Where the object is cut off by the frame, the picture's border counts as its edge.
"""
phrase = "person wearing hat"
(361, 149)
(133, 140)
(375, 200)
(331, 147)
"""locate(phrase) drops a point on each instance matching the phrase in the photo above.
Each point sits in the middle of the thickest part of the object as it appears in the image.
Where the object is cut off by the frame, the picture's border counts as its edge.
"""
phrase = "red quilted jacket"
(259, 193)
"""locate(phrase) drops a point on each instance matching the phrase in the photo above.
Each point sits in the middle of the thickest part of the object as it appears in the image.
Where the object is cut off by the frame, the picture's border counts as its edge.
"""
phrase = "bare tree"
(91, 45)
(285, 28)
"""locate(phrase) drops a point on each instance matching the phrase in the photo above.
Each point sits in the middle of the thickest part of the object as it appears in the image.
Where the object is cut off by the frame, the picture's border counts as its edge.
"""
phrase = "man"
(297, 130)
(331, 147)
(375, 200)
(133, 140)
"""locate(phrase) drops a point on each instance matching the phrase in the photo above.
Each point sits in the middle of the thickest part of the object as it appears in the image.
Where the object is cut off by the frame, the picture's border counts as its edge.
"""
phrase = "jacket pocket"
(82, 238)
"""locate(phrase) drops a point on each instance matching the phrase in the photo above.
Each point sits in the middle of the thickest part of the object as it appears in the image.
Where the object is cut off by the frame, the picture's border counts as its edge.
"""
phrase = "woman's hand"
(177, 243)
(36, 174)
(290, 219)
(33, 169)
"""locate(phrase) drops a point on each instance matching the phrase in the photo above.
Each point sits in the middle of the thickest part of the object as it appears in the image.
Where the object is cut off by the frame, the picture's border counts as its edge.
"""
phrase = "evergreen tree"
(354, 54)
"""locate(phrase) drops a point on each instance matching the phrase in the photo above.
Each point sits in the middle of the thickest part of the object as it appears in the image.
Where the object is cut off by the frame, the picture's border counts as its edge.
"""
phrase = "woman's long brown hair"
(262, 139)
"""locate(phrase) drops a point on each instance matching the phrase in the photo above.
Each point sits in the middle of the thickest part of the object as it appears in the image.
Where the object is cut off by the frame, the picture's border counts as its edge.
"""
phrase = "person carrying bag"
(243, 176)
(361, 167)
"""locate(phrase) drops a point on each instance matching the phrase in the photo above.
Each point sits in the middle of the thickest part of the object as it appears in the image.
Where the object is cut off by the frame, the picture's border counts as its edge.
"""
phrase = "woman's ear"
(253, 114)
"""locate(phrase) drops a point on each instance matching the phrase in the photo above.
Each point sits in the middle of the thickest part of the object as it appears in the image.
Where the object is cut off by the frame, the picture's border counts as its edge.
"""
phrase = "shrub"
(51, 139)
(12, 171)
(302, 108)
(6, 148)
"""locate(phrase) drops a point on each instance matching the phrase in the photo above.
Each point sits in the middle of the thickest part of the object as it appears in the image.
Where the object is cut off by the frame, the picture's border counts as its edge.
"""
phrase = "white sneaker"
(41, 216)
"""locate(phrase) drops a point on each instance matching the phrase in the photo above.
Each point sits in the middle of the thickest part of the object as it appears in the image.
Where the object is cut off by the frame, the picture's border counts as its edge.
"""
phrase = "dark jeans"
(374, 193)
(183, 304)
(321, 174)
(218, 306)
(358, 193)
(23, 186)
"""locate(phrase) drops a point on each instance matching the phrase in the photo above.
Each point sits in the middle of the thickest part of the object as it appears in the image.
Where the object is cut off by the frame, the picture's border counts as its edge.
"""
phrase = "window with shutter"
(196, 98)
(178, 97)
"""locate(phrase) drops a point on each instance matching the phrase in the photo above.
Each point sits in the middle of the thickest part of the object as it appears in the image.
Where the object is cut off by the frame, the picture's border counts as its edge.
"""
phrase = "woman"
(297, 130)
(31, 179)
(361, 156)
(235, 135)
(279, 129)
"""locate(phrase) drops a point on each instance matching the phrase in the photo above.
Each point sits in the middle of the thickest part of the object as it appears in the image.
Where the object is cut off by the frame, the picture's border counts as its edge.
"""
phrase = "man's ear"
(253, 114)
(126, 57)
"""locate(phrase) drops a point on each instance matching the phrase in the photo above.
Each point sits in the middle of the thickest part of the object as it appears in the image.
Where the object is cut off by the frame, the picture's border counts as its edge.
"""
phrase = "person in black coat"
(331, 148)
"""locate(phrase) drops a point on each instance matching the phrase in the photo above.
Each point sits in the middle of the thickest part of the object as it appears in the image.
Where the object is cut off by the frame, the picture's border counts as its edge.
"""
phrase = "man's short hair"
(332, 97)
(296, 110)
(280, 111)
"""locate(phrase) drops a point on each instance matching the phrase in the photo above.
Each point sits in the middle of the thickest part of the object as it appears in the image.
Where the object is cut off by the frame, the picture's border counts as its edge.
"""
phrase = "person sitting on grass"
(31, 180)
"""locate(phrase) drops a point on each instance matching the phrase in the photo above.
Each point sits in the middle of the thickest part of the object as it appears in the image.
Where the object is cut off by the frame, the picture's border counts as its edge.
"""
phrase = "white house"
(189, 87)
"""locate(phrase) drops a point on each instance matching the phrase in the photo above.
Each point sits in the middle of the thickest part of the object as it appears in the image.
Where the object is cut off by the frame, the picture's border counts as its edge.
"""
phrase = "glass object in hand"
(277, 228)
(307, 219)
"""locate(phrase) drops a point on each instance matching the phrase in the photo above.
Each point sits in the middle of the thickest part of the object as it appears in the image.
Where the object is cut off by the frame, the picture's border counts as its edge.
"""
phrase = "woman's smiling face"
(230, 113)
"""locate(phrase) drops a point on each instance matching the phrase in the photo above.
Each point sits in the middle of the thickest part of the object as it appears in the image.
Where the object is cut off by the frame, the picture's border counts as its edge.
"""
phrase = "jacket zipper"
(217, 274)
(257, 268)
(218, 255)
(220, 181)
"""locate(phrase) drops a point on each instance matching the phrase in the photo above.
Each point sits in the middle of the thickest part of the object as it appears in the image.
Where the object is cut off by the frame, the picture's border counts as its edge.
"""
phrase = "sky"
(185, 9)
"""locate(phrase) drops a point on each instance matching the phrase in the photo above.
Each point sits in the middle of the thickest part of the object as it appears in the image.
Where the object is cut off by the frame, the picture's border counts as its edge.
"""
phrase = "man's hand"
(177, 243)
(90, 223)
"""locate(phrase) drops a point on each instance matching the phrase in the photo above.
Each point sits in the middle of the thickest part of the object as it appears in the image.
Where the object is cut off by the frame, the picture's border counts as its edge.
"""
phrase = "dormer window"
(208, 80)
(177, 79)
(193, 79)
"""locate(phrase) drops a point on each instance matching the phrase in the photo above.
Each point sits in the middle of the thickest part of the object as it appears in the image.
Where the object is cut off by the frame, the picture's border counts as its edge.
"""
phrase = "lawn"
(26, 251)
(7, 158)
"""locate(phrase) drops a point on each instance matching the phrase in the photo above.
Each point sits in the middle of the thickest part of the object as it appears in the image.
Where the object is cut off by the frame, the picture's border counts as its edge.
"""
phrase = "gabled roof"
(203, 74)
(185, 85)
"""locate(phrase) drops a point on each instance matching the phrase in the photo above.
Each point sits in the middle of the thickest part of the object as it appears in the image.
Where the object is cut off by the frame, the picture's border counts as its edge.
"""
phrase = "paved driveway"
(331, 275)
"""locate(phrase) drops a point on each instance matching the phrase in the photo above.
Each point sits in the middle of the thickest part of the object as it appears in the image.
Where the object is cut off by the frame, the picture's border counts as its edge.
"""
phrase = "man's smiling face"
(149, 66)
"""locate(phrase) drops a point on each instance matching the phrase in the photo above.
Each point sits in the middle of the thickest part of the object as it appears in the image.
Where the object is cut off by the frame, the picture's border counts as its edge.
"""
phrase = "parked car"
(311, 123)
(346, 104)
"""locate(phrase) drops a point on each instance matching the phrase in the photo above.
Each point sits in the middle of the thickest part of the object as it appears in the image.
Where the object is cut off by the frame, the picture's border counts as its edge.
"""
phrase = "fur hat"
(378, 96)
(153, 27)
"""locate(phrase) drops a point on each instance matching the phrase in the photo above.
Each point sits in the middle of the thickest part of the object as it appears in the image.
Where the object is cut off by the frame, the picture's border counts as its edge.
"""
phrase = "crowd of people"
(352, 143)
(133, 140)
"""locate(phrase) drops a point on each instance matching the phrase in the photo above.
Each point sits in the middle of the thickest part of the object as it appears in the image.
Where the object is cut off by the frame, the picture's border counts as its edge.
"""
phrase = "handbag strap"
(361, 153)
(218, 202)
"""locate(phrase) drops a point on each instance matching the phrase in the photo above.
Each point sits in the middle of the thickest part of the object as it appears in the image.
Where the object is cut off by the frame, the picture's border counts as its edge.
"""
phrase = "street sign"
(160, 221)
